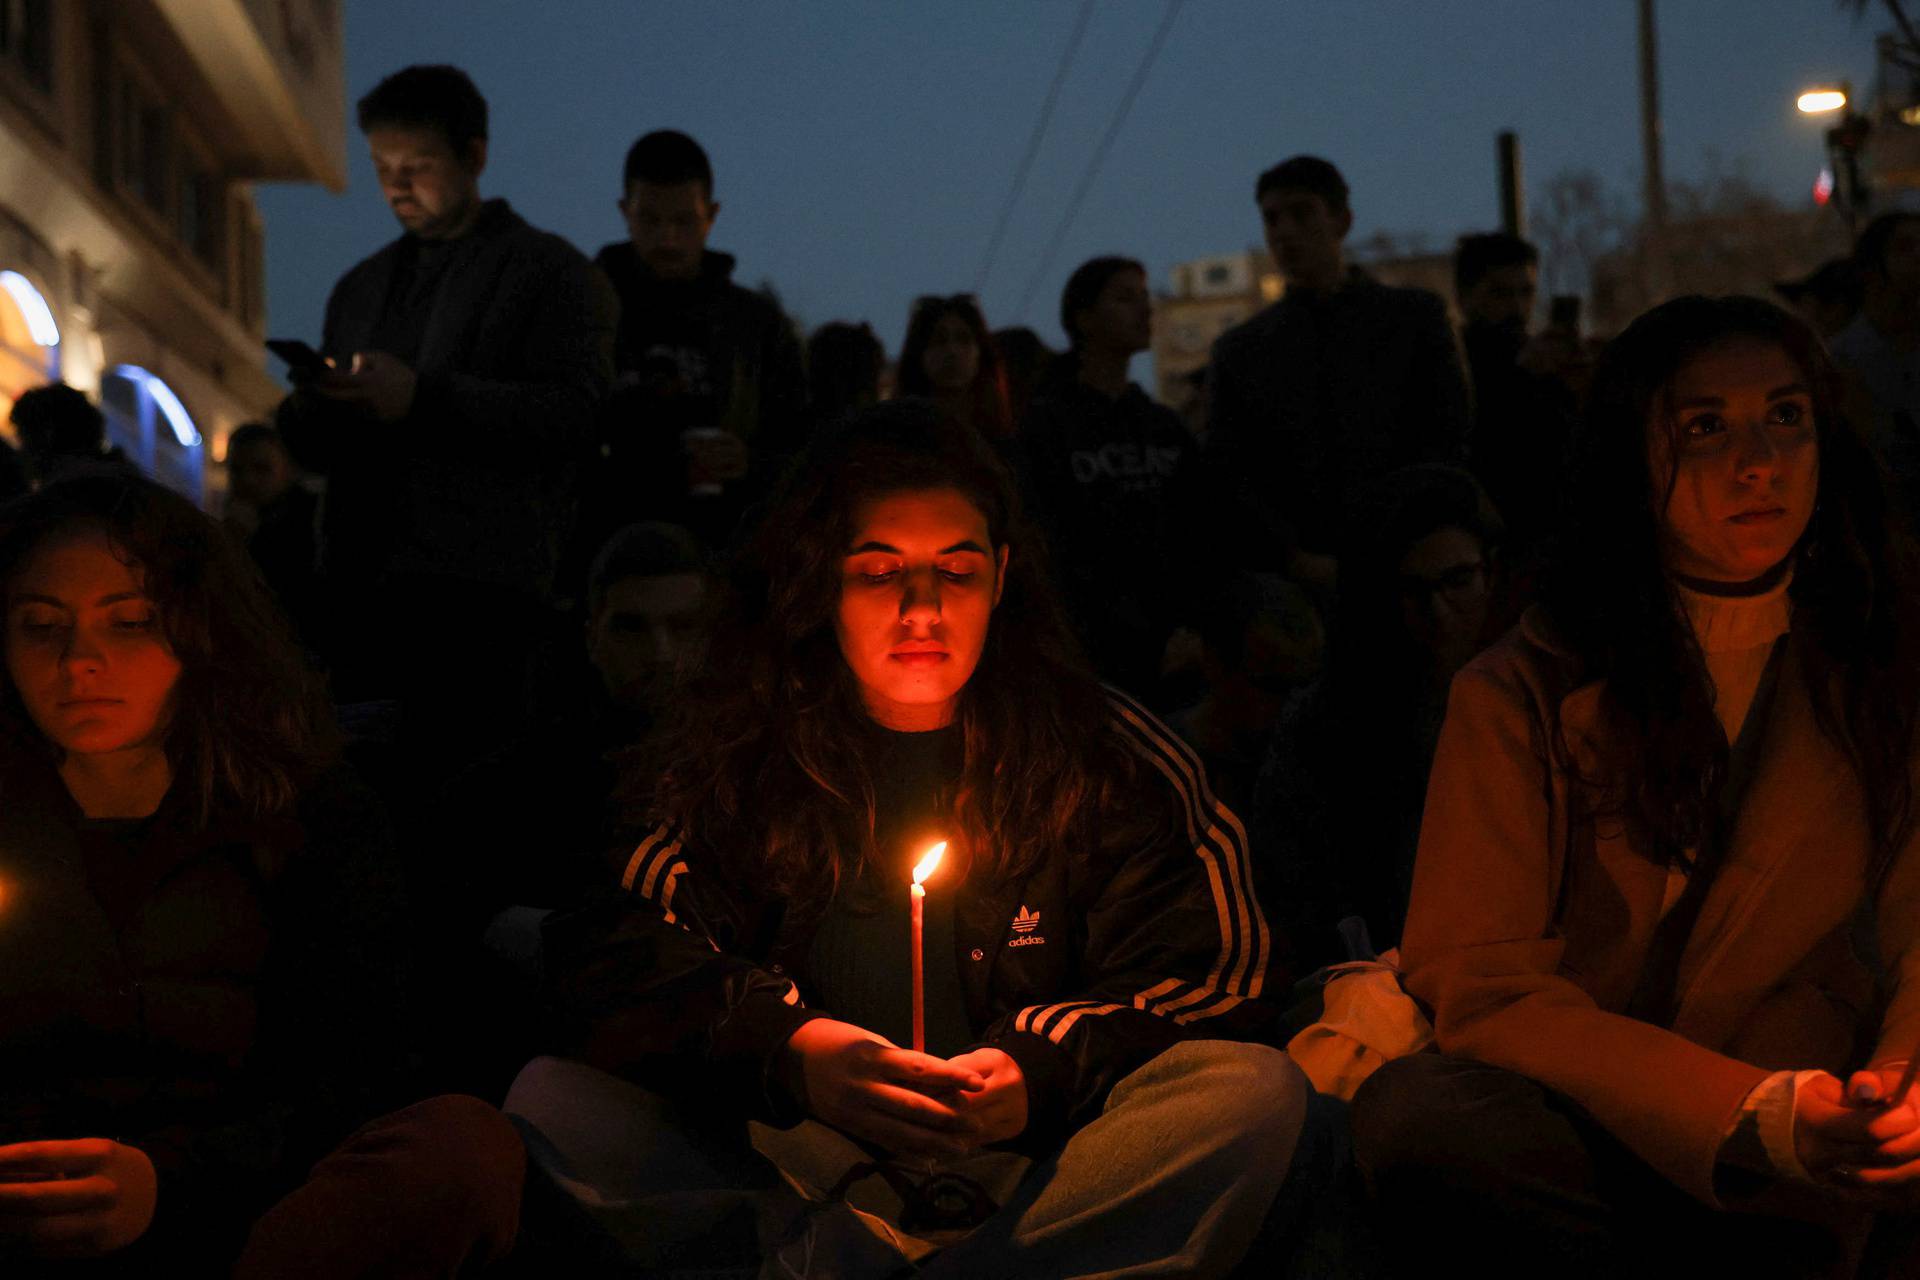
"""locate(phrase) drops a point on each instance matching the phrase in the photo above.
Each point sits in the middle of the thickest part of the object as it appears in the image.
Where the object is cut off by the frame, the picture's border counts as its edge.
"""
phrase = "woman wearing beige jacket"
(1666, 893)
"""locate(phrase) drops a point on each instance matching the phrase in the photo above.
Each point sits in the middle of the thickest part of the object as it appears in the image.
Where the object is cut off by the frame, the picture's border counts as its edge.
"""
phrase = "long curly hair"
(250, 721)
(1607, 594)
(771, 763)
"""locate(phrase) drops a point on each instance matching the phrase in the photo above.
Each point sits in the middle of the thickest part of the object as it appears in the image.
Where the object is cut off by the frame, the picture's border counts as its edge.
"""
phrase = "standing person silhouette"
(1100, 460)
(1341, 381)
(710, 396)
(468, 359)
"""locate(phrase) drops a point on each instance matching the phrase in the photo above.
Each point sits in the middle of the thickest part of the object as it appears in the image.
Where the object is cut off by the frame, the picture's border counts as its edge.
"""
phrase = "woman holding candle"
(199, 931)
(891, 673)
(1669, 817)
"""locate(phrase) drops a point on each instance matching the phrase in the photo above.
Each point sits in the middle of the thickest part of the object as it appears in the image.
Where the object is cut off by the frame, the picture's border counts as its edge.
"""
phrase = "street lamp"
(1845, 141)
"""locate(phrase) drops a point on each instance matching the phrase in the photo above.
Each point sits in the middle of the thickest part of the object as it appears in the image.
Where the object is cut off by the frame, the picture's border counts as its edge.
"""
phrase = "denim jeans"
(1176, 1176)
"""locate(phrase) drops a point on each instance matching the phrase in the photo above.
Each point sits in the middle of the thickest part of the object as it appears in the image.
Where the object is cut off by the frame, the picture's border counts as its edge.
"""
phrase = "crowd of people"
(490, 848)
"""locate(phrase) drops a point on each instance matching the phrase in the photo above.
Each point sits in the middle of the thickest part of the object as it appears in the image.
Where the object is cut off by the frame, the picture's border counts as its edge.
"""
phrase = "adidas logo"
(1024, 924)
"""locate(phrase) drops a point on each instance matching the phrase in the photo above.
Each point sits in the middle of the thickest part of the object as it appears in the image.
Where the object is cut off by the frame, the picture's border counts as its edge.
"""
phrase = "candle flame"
(929, 862)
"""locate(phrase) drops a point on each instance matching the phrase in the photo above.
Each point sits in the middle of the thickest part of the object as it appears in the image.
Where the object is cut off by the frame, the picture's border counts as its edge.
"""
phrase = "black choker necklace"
(1735, 590)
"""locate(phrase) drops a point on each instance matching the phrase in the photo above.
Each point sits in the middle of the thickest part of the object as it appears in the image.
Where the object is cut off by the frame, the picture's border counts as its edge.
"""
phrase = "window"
(252, 285)
(106, 121)
(145, 152)
(202, 211)
(150, 165)
(190, 210)
(26, 39)
(29, 339)
(127, 426)
(146, 420)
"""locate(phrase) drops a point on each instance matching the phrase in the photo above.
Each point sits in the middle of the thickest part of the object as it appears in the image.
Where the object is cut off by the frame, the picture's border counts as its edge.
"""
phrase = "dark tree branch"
(1906, 27)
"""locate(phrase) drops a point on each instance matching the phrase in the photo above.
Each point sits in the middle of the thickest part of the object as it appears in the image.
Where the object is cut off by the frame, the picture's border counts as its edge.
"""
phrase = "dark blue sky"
(863, 150)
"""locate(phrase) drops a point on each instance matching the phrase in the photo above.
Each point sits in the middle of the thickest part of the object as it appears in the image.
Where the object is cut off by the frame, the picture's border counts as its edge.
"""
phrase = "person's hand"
(999, 1111)
(1847, 1137)
(381, 384)
(861, 1084)
(80, 1199)
(386, 383)
(714, 457)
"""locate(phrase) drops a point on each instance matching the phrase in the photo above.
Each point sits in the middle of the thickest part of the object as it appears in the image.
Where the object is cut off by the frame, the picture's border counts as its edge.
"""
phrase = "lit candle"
(917, 895)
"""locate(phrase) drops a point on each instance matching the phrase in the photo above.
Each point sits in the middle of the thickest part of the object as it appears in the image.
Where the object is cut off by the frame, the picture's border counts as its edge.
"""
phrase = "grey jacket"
(476, 483)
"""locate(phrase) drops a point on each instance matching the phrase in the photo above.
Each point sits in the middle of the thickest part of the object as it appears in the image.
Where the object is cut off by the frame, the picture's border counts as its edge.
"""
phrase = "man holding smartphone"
(463, 365)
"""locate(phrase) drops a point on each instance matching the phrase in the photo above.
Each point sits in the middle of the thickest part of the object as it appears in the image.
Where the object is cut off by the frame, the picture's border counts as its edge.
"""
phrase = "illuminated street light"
(40, 324)
(179, 421)
(1848, 188)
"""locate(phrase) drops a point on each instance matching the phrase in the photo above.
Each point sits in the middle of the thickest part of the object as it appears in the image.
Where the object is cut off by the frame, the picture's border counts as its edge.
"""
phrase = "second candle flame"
(929, 862)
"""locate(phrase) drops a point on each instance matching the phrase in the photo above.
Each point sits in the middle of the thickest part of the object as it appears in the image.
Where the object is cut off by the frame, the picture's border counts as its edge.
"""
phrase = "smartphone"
(303, 361)
(1563, 312)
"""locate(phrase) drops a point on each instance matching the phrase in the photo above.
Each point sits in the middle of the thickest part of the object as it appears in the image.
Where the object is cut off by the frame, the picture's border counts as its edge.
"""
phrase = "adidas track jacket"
(1097, 961)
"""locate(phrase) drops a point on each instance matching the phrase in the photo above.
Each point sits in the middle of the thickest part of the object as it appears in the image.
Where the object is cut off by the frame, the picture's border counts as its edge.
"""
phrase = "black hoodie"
(690, 353)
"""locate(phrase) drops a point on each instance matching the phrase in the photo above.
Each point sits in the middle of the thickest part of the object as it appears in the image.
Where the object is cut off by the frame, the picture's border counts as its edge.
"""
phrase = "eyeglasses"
(1461, 585)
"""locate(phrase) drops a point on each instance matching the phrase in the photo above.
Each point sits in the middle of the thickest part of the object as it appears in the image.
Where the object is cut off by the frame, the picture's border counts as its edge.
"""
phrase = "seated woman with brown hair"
(1670, 816)
(200, 932)
(890, 670)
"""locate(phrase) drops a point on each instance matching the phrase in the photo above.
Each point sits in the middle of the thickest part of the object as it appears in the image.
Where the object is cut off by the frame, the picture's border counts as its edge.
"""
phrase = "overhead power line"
(1098, 158)
(1033, 144)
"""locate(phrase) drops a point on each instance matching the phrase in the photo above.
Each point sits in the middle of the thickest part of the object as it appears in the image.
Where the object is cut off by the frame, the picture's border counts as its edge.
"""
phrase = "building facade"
(1209, 296)
(131, 250)
(1206, 297)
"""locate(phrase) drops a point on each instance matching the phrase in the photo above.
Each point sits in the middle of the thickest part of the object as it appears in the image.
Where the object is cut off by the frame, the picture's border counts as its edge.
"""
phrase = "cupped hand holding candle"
(999, 1111)
(902, 1101)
